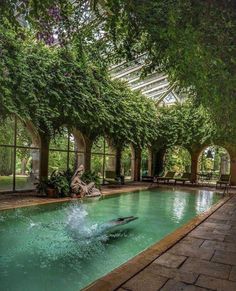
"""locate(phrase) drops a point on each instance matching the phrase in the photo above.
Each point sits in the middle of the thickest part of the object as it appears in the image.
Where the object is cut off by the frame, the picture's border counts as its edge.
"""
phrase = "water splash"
(81, 228)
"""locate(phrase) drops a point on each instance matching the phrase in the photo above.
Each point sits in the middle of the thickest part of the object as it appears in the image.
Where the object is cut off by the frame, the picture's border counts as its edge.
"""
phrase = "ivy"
(58, 86)
(185, 125)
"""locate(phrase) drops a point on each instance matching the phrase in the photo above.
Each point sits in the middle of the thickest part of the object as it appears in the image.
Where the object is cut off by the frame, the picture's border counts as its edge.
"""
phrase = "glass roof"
(155, 85)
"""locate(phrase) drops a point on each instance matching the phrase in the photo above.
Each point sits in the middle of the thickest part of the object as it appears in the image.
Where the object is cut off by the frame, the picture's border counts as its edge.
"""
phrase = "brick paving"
(204, 260)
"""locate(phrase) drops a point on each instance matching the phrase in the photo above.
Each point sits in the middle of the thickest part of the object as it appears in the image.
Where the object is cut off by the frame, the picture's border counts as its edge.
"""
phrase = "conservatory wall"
(103, 159)
(19, 156)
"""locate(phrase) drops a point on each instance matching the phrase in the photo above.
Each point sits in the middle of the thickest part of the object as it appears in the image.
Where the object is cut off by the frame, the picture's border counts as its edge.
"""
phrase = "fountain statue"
(80, 187)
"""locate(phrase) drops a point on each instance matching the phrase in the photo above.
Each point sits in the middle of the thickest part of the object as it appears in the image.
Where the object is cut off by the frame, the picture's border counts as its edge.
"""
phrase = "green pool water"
(64, 246)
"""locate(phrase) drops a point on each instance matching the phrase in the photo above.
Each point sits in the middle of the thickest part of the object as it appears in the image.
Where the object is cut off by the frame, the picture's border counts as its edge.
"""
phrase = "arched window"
(178, 160)
(213, 161)
(19, 155)
(103, 160)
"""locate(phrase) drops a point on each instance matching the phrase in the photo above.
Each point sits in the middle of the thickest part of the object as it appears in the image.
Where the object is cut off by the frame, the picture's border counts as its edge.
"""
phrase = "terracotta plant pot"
(51, 192)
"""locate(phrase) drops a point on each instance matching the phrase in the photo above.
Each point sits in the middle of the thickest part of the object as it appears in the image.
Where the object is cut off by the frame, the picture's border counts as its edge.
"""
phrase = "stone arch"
(124, 157)
(214, 164)
(80, 148)
(147, 158)
(36, 143)
(111, 160)
(144, 162)
(196, 154)
(136, 154)
(232, 152)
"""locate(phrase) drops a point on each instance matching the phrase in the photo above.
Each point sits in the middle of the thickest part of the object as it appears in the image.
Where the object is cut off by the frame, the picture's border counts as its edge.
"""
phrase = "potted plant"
(61, 183)
(57, 185)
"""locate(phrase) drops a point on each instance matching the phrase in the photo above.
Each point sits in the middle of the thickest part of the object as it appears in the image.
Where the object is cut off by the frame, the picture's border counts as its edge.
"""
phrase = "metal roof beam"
(156, 88)
(146, 83)
(127, 72)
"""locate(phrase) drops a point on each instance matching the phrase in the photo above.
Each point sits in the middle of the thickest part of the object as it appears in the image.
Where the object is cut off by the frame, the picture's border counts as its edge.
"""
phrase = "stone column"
(231, 148)
(44, 157)
(158, 161)
(35, 154)
(232, 153)
(111, 157)
(87, 153)
(80, 147)
(194, 165)
(118, 161)
(150, 161)
(233, 170)
(136, 163)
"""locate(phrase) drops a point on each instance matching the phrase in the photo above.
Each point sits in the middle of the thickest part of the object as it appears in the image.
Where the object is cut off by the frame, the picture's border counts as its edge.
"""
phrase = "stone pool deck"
(204, 259)
(16, 200)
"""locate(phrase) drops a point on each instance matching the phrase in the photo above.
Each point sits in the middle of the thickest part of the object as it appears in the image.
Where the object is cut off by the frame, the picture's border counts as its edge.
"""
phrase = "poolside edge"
(126, 271)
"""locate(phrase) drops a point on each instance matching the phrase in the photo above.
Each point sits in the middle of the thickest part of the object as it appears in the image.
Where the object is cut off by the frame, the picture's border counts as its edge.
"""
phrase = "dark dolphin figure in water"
(116, 222)
(100, 229)
(121, 220)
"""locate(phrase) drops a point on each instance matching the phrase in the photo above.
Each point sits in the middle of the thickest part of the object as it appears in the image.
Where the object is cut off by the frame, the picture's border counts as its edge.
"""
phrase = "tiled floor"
(204, 260)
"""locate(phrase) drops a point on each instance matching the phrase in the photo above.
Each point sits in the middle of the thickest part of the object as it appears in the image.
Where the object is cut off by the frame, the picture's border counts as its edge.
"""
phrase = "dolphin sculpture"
(116, 222)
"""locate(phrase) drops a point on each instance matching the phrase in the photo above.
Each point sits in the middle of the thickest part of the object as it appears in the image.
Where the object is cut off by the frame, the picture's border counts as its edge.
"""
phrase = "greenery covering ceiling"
(192, 41)
(65, 86)
(54, 86)
(185, 125)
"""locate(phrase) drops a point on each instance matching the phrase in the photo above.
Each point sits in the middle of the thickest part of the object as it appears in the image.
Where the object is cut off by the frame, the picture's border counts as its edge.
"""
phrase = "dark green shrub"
(89, 176)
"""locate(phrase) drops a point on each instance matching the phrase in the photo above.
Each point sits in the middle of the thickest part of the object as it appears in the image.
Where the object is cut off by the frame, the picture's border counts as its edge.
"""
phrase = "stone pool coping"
(123, 273)
(14, 201)
(17, 200)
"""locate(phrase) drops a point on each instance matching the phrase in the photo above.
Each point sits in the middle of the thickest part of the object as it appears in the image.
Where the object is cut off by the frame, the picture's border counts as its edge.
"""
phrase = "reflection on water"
(67, 246)
(179, 206)
(204, 200)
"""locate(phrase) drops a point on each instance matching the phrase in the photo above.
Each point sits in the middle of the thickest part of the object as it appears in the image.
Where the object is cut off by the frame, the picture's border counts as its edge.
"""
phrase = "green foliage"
(57, 86)
(178, 159)
(132, 116)
(6, 161)
(60, 181)
(126, 162)
(185, 125)
(192, 41)
(89, 177)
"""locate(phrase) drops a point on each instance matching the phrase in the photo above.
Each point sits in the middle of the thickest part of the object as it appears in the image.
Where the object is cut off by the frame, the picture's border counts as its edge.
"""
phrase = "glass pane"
(110, 148)
(27, 168)
(6, 168)
(60, 141)
(7, 132)
(110, 163)
(73, 145)
(213, 162)
(126, 163)
(73, 161)
(97, 164)
(57, 161)
(25, 137)
(144, 170)
(98, 146)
